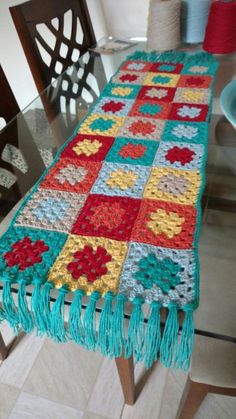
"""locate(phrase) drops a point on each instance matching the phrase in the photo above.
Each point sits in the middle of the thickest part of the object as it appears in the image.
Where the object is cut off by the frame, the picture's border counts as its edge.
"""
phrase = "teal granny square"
(189, 132)
(124, 91)
(130, 151)
(27, 253)
(199, 68)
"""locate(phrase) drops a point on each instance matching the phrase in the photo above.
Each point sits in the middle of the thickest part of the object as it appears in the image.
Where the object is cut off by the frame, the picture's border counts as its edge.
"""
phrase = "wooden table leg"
(3, 349)
(125, 369)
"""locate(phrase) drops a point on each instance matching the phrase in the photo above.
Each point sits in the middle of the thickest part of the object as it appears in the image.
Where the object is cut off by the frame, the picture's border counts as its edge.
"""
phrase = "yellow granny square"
(173, 185)
(90, 264)
(107, 125)
(161, 79)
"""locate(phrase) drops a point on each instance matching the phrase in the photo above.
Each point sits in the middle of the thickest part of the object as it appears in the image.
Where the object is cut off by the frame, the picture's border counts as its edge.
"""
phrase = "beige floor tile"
(172, 394)
(64, 373)
(17, 365)
(149, 401)
(8, 396)
(107, 397)
(29, 406)
(213, 407)
(90, 415)
(7, 332)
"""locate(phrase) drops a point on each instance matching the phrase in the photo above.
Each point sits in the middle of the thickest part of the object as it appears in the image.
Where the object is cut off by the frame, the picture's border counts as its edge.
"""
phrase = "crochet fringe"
(143, 340)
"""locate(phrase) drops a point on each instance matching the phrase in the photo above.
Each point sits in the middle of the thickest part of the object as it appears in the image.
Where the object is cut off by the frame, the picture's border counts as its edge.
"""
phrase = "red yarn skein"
(220, 36)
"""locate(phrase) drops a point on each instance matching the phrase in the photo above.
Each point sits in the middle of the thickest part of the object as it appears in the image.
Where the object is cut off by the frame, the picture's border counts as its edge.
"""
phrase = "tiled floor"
(43, 380)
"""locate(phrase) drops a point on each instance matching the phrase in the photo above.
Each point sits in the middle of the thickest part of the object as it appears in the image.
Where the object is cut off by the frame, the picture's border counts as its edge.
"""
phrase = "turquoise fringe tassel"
(105, 325)
(90, 322)
(134, 344)
(170, 337)
(24, 315)
(117, 332)
(185, 347)
(75, 326)
(9, 307)
(153, 335)
(57, 325)
(38, 317)
(44, 307)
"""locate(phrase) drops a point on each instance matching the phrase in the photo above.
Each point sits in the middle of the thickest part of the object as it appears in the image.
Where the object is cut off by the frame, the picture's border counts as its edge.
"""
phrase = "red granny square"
(165, 224)
(88, 147)
(72, 175)
(153, 93)
(194, 81)
(107, 216)
(191, 112)
(173, 68)
(150, 109)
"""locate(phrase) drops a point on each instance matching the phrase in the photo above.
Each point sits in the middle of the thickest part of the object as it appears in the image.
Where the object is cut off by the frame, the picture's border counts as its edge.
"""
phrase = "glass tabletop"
(32, 139)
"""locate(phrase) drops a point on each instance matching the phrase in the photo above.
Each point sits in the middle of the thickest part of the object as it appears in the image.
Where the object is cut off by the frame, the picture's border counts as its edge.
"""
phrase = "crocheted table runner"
(116, 217)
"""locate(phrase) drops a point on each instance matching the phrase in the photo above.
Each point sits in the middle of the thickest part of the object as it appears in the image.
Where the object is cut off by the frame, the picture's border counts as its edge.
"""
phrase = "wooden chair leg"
(125, 369)
(3, 349)
(193, 396)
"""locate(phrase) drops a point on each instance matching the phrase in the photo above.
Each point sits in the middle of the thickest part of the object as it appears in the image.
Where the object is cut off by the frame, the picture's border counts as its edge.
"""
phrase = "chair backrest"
(53, 35)
(20, 160)
(8, 104)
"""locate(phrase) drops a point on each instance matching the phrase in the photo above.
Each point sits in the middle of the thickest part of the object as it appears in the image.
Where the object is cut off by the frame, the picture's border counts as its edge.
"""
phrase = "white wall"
(12, 57)
(126, 17)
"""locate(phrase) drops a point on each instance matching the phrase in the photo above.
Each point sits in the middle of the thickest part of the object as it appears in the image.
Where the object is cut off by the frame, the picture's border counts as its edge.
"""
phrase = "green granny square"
(129, 151)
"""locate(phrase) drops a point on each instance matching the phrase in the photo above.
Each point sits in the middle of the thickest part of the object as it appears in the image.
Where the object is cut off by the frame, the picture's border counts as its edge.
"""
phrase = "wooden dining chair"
(54, 34)
(213, 370)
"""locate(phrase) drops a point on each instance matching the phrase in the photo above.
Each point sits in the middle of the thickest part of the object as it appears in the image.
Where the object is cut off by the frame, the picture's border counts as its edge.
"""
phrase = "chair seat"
(214, 362)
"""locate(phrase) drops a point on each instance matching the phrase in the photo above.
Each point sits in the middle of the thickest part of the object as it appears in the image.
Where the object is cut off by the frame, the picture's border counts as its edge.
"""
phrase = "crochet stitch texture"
(117, 216)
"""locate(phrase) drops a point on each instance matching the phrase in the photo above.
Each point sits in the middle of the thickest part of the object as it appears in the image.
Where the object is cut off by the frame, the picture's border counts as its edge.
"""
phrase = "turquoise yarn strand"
(153, 335)
(170, 337)
(24, 315)
(9, 307)
(185, 347)
(105, 325)
(57, 325)
(134, 344)
(90, 322)
(117, 332)
(75, 325)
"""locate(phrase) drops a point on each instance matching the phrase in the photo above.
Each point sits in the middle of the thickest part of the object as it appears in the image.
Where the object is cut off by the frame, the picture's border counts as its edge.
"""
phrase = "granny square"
(158, 274)
(89, 264)
(107, 216)
(150, 109)
(133, 65)
(187, 95)
(192, 82)
(165, 224)
(173, 185)
(189, 112)
(180, 155)
(51, 210)
(27, 254)
(189, 132)
(101, 125)
(129, 151)
(124, 91)
(139, 127)
(162, 67)
(72, 175)
(112, 106)
(121, 180)
(130, 77)
(156, 94)
(161, 79)
(88, 147)
(199, 69)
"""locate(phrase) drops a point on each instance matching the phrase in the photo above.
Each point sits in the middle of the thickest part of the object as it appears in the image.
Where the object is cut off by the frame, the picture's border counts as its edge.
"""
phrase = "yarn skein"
(194, 15)
(220, 37)
(163, 33)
